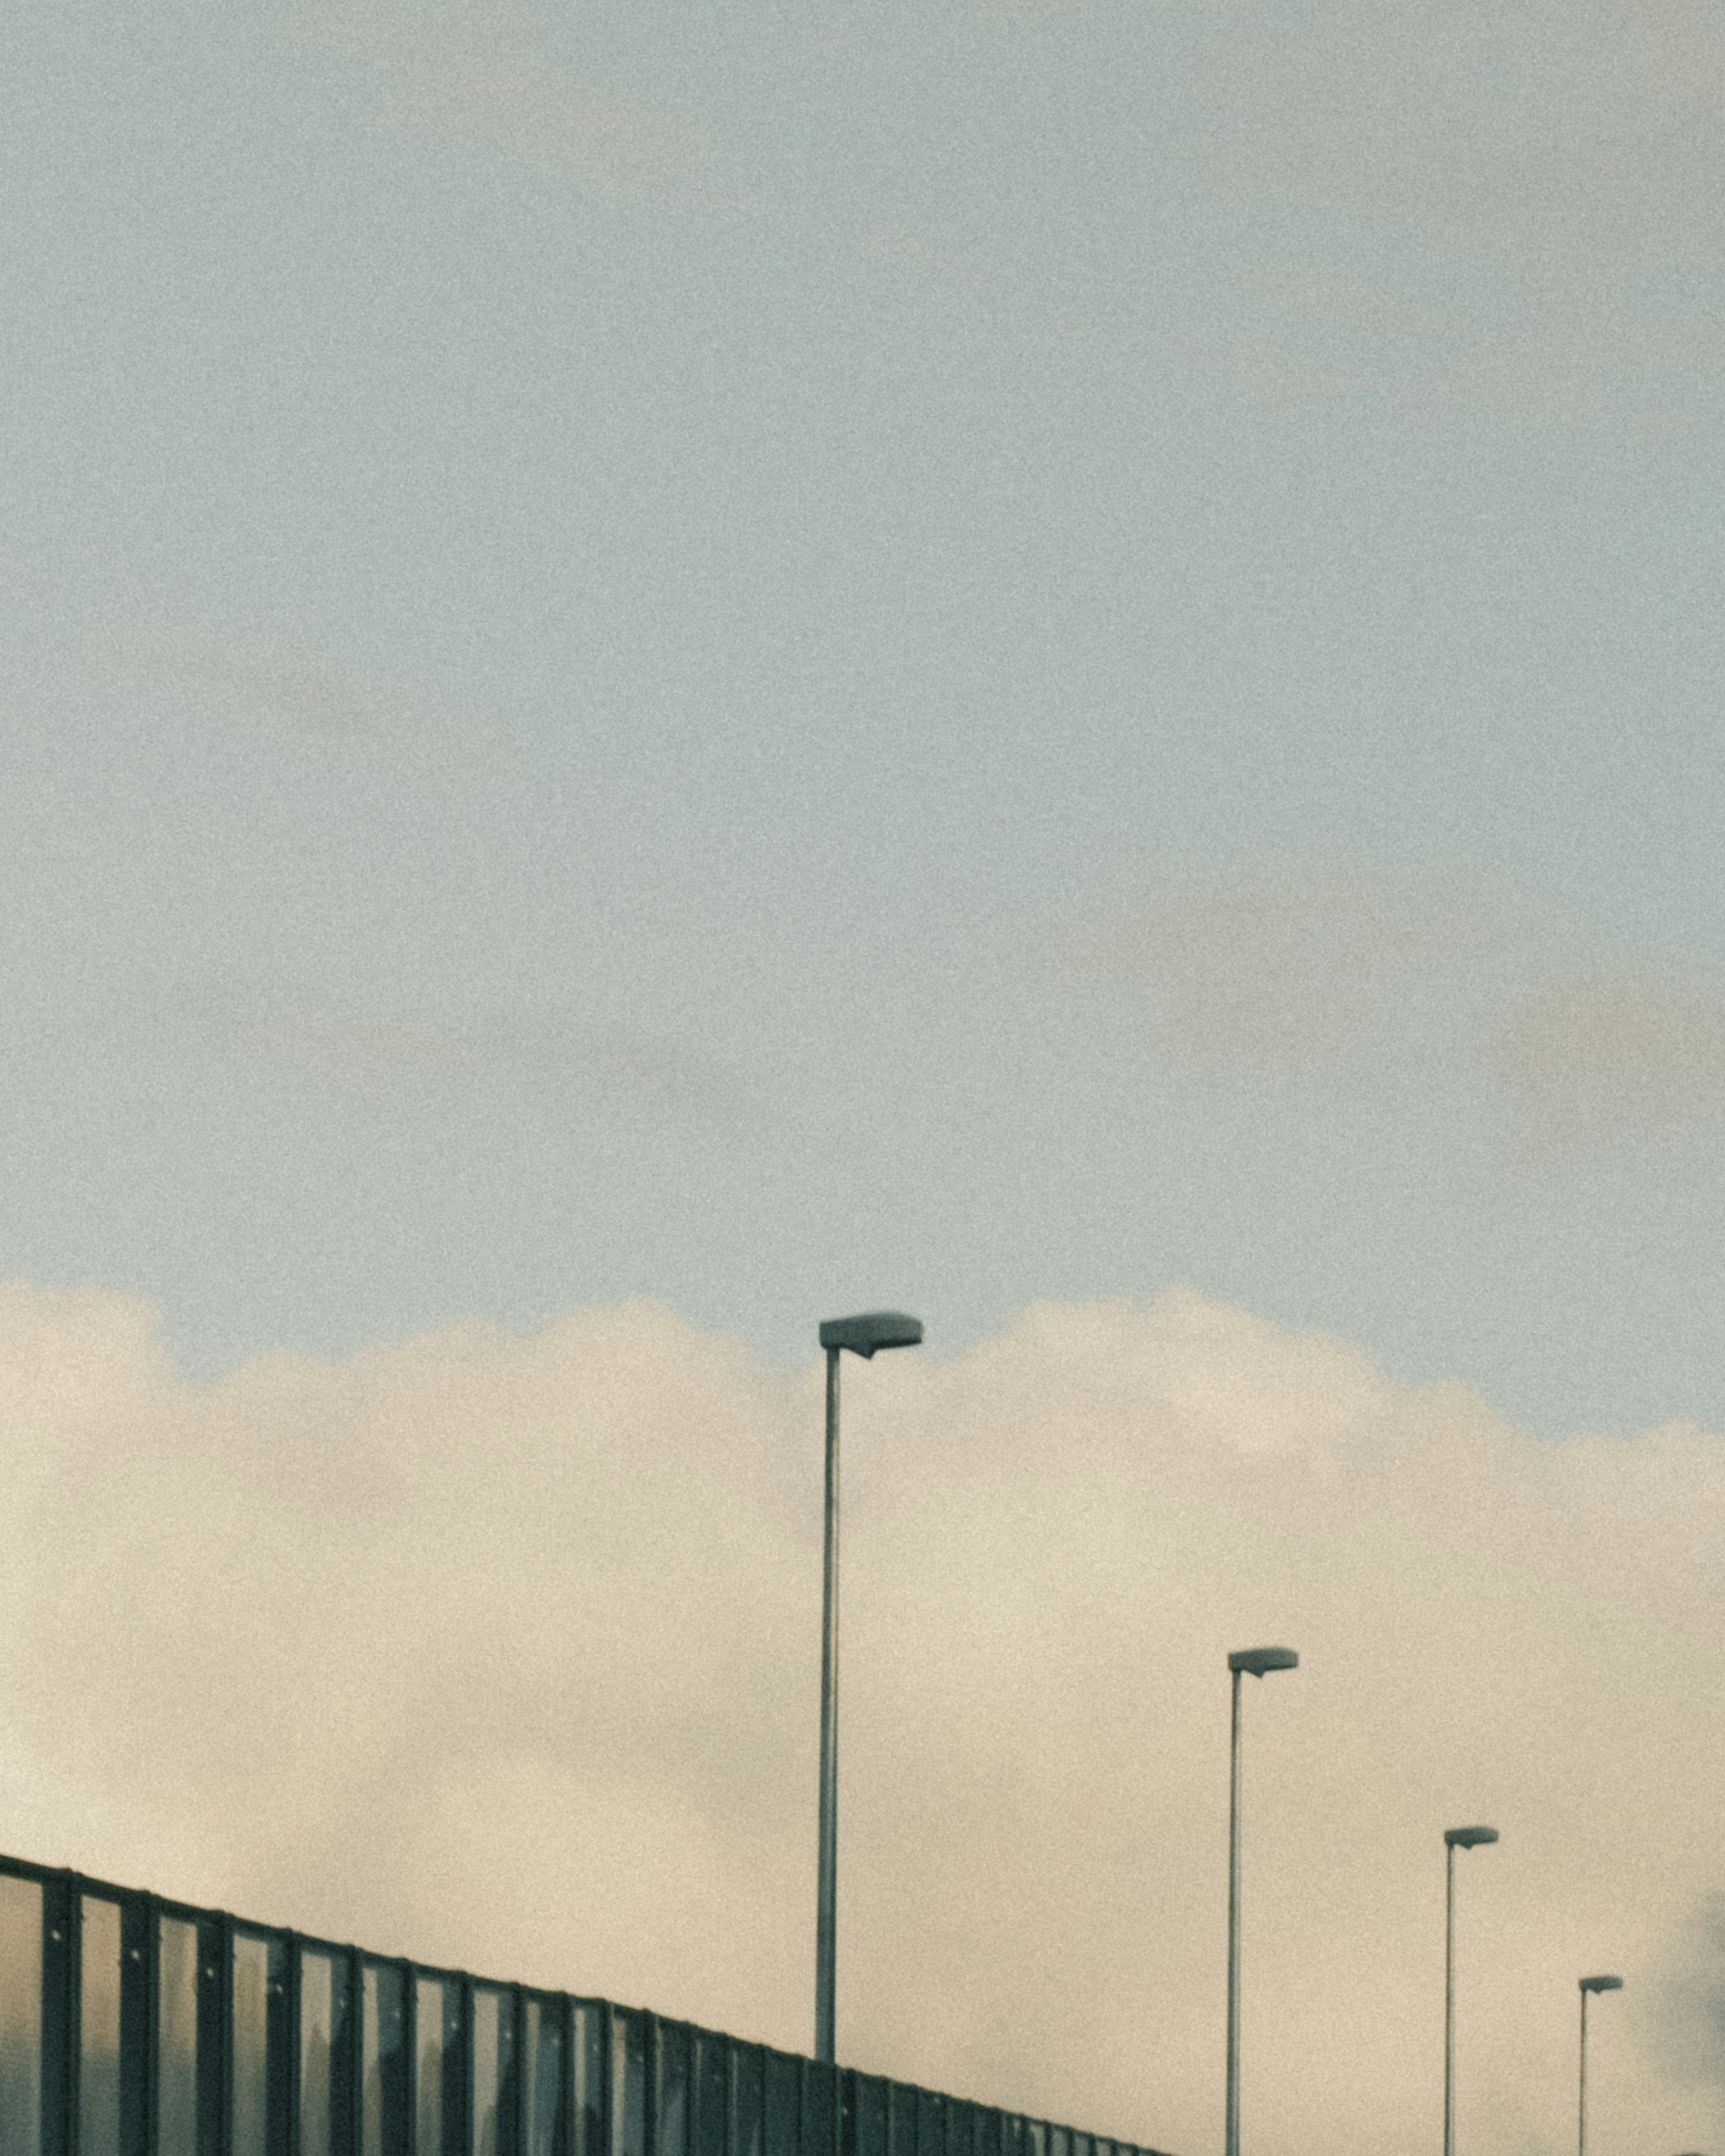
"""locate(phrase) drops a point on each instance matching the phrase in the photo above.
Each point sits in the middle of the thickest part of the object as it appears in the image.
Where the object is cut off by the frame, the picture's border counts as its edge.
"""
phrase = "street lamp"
(865, 1336)
(1455, 1838)
(1254, 1661)
(1588, 1984)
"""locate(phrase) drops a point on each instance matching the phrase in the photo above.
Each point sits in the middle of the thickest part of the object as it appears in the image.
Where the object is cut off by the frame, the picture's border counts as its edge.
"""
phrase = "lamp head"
(1258, 1661)
(1469, 1837)
(873, 1329)
(1602, 1983)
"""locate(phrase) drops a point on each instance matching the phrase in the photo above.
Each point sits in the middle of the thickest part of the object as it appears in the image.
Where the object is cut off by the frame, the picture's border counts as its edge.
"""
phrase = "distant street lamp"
(1253, 1661)
(1455, 1838)
(865, 1336)
(1589, 1984)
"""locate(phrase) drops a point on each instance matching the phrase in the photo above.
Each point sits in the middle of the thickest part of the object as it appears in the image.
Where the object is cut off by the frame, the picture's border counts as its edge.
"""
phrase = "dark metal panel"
(747, 2114)
(868, 2117)
(458, 2067)
(344, 2055)
(137, 2025)
(534, 2010)
(492, 2092)
(439, 2056)
(650, 2025)
(583, 2111)
(628, 2084)
(386, 2067)
(671, 2065)
(819, 2126)
(511, 2032)
(847, 2112)
(511, 2012)
(781, 2103)
(310, 2031)
(711, 2094)
(581, 2060)
(215, 2028)
(901, 2119)
(60, 1902)
(282, 2047)
(577, 2033)
(546, 2092)
(410, 2060)
(961, 2127)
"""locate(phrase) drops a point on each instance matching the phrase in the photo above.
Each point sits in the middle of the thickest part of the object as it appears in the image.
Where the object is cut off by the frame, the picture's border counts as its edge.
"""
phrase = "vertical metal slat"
(60, 1988)
(140, 2016)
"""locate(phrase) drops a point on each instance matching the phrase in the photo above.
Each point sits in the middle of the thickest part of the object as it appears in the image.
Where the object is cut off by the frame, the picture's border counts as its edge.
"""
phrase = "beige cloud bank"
(501, 1650)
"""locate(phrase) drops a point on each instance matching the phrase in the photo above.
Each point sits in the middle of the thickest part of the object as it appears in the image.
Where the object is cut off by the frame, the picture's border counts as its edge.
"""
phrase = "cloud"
(478, 74)
(1576, 150)
(1624, 1052)
(395, 1059)
(1692, 2018)
(1563, 119)
(1307, 973)
(275, 680)
(1292, 972)
(1572, 150)
(382, 1648)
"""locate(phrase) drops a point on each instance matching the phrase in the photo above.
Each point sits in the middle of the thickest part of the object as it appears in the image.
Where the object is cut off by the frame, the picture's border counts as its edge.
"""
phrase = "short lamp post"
(1257, 1662)
(865, 1336)
(1590, 1984)
(1455, 1838)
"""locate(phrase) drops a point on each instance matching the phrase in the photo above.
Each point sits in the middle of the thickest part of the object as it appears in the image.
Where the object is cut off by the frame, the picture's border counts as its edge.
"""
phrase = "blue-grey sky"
(785, 655)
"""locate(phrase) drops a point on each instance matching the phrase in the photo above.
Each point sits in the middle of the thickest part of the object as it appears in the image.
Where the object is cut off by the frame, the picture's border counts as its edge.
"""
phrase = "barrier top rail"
(131, 2025)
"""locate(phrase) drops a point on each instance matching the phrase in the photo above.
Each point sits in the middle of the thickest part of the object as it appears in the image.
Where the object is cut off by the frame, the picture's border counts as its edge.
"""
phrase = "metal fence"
(134, 2026)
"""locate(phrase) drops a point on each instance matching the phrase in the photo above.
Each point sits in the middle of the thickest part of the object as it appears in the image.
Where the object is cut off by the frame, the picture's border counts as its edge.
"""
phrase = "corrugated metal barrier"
(134, 2026)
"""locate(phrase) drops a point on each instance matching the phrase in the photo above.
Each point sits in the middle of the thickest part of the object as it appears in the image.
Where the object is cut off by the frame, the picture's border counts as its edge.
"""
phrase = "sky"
(988, 656)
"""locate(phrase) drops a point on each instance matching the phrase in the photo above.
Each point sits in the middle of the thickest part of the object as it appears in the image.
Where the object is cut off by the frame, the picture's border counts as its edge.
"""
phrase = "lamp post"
(1588, 1984)
(1455, 1838)
(865, 1336)
(1255, 1661)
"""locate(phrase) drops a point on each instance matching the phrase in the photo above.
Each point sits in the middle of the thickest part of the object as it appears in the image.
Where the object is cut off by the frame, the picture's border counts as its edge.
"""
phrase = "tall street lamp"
(1455, 1838)
(865, 1336)
(1254, 1661)
(1588, 1984)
